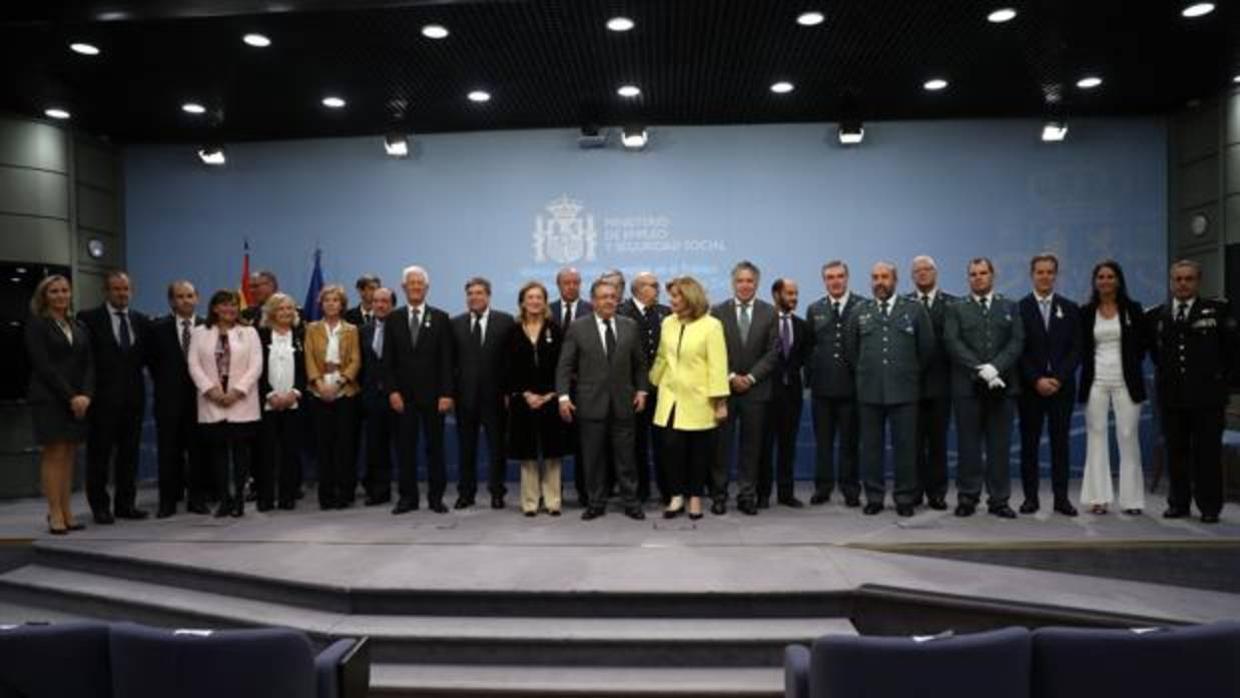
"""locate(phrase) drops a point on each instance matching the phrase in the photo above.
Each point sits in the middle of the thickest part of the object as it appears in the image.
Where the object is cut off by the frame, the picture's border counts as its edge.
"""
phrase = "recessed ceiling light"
(56, 113)
(629, 91)
(333, 102)
(193, 108)
(782, 88)
(84, 48)
(479, 96)
(809, 19)
(1001, 15)
(256, 40)
(1089, 82)
(935, 84)
(1197, 9)
(435, 31)
(620, 24)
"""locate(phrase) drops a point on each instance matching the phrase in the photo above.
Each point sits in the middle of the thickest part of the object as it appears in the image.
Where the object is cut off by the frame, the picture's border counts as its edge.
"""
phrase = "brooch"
(1059, 311)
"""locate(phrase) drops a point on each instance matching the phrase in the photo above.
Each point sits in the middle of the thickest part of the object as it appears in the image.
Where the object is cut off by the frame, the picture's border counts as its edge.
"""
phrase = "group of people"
(643, 396)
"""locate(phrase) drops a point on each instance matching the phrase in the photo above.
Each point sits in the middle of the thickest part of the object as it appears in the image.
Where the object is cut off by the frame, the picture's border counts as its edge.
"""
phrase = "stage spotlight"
(851, 132)
(212, 155)
(592, 137)
(256, 40)
(634, 137)
(396, 145)
(1197, 9)
(84, 48)
(57, 113)
(1054, 131)
(1089, 82)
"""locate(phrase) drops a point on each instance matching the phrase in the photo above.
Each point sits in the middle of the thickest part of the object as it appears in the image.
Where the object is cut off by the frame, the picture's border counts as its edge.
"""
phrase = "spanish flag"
(244, 290)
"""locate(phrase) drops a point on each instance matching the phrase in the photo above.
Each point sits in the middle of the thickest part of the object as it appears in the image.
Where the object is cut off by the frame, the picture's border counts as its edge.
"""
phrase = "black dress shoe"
(497, 501)
(1209, 518)
(405, 505)
(764, 503)
(530, 514)
(718, 507)
(1065, 508)
(673, 513)
(1003, 511)
(748, 508)
(197, 508)
(554, 512)
(635, 513)
(872, 508)
(165, 511)
(791, 502)
(463, 503)
(76, 526)
(937, 503)
(905, 510)
(224, 510)
(1175, 513)
(1030, 506)
(377, 499)
(963, 510)
(695, 517)
(132, 513)
(287, 504)
(265, 506)
(104, 517)
(238, 509)
(592, 513)
(820, 498)
(852, 502)
(438, 507)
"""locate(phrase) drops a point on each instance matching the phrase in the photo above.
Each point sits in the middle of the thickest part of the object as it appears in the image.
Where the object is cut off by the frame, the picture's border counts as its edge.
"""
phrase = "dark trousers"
(277, 472)
(780, 449)
(380, 426)
(598, 437)
(749, 419)
(115, 432)
(648, 445)
(835, 420)
(336, 452)
(901, 421)
(687, 457)
(987, 419)
(415, 422)
(573, 437)
(229, 445)
(1056, 412)
(183, 468)
(490, 422)
(1194, 445)
(933, 418)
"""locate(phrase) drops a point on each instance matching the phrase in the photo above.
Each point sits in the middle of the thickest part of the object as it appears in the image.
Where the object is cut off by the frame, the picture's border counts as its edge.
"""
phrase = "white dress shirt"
(931, 296)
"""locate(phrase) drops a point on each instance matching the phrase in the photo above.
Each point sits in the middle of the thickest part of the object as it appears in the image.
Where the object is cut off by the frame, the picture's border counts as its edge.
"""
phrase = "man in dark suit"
(604, 352)
(564, 311)
(262, 285)
(1197, 360)
(644, 308)
(362, 313)
(749, 331)
(795, 345)
(889, 341)
(985, 338)
(118, 338)
(379, 421)
(418, 360)
(1048, 366)
(480, 337)
(182, 466)
(935, 405)
(833, 389)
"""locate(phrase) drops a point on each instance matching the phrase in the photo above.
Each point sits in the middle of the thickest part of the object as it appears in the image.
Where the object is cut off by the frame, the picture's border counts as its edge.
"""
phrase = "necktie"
(882, 308)
(744, 323)
(125, 338)
(925, 300)
(367, 317)
(785, 334)
(835, 308)
(568, 314)
(415, 325)
(1181, 313)
(377, 345)
(477, 332)
(985, 305)
(1046, 312)
(186, 326)
(610, 337)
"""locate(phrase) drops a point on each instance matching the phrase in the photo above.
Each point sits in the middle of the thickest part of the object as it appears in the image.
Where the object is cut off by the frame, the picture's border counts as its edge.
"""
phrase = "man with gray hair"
(644, 308)
(935, 406)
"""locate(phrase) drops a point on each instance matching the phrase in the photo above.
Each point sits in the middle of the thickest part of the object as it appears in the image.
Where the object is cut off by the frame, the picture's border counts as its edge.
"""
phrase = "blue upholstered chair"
(54, 661)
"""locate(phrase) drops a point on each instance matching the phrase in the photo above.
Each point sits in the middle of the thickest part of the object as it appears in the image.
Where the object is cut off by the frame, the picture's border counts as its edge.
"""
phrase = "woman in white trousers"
(1115, 341)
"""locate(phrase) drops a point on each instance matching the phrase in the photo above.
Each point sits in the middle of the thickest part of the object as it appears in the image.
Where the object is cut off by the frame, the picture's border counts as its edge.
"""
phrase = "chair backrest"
(1070, 662)
(981, 665)
(156, 663)
(64, 659)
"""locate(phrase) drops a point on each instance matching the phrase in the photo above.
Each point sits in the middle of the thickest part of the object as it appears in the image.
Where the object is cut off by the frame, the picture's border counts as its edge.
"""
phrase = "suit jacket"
(605, 385)
(299, 362)
(244, 369)
(582, 309)
(118, 373)
(888, 352)
(755, 357)
(829, 373)
(423, 373)
(936, 377)
(480, 370)
(649, 325)
(166, 363)
(690, 368)
(1197, 361)
(59, 370)
(374, 380)
(531, 366)
(1134, 341)
(973, 338)
(789, 367)
(350, 355)
(1052, 351)
(354, 317)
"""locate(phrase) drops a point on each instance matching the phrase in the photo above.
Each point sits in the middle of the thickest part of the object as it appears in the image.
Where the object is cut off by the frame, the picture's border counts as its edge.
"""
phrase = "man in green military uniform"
(889, 341)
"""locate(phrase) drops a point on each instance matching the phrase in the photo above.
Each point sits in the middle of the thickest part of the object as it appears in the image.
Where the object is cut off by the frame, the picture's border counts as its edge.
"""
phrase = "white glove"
(987, 372)
(996, 383)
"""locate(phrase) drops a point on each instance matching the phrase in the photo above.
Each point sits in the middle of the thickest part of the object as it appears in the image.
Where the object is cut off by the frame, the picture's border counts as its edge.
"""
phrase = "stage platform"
(484, 602)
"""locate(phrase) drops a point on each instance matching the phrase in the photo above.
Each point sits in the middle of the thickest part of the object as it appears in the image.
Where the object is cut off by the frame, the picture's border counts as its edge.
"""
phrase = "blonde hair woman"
(691, 371)
(281, 388)
(333, 359)
(62, 381)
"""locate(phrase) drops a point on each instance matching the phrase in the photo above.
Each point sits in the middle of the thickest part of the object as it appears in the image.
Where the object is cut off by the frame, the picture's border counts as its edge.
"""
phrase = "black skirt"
(54, 423)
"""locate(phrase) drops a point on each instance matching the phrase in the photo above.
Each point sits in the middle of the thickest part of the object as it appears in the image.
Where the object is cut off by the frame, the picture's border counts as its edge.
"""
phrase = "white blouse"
(1108, 359)
(332, 354)
(281, 364)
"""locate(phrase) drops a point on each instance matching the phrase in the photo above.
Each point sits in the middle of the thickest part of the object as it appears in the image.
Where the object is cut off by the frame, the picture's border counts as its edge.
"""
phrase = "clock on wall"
(95, 248)
(1198, 224)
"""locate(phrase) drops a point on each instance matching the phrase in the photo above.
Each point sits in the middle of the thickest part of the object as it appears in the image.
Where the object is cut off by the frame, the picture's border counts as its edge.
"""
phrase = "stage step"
(629, 642)
(456, 681)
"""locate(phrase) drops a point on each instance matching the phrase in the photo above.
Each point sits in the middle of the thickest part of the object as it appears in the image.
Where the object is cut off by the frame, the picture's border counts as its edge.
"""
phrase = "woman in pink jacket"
(225, 361)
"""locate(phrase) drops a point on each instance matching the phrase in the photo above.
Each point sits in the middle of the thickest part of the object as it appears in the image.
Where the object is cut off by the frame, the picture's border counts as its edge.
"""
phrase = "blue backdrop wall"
(518, 204)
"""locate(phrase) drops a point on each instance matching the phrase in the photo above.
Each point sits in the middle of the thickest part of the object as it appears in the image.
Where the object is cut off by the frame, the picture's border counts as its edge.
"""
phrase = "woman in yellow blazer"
(691, 372)
(333, 358)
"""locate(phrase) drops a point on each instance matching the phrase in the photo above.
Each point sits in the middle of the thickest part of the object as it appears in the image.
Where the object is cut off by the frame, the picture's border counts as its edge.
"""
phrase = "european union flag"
(311, 309)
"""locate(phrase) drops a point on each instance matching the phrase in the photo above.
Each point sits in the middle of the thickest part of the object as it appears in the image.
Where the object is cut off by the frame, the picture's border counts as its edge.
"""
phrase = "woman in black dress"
(62, 381)
(535, 430)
